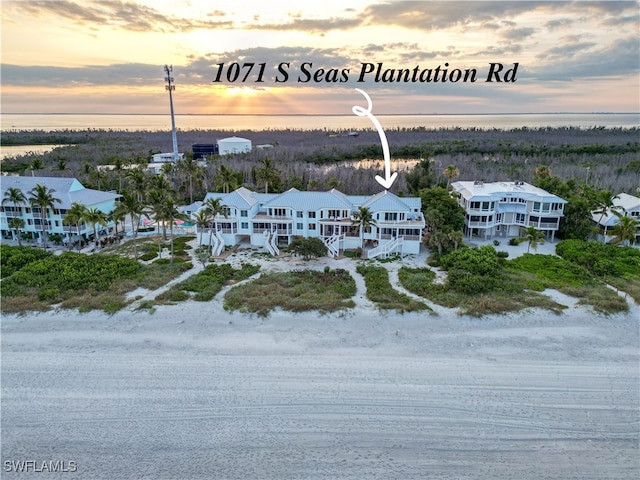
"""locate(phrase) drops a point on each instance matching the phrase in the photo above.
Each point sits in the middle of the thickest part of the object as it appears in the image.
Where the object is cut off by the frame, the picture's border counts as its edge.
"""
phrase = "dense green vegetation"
(481, 281)
(380, 291)
(206, 284)
(616, 265)
(13, 259)
(75, 280)
(308, 248)
(297, 291)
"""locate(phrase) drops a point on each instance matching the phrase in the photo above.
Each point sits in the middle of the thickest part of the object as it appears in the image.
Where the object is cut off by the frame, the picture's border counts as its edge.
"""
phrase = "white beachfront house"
(68, 191)
(502, 209)
(275, 219)
(626, 205)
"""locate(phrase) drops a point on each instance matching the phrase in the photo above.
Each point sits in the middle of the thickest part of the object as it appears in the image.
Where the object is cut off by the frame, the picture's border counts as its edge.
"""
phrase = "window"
(312, 226)
(391, 216)
(536, 206)
(475, 205)
(299, 226)
(299, 214)
(244, 213)
(485, 205)
(244, 225)
(520, 217)
(312, 214)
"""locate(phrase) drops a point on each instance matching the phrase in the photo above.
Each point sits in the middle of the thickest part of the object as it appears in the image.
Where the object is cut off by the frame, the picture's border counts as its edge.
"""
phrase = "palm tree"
(133, 207)
(17, 224)
(533, 236)
(41, 197)
(154, 207)
(116, 216)
(170, 215)
(605, 202)
(61, 166)
(189, 167)
(363, 220)
(450, 172)
(625, 230)
(267, 174)
(75, 216)
(202, 218)
(138, 182)
(95, 217)
(213, 207)
(14, 195)
(226, 179)
(35, 166)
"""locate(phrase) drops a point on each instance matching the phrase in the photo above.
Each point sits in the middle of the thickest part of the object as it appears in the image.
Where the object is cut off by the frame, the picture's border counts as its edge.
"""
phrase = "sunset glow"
(108, 57)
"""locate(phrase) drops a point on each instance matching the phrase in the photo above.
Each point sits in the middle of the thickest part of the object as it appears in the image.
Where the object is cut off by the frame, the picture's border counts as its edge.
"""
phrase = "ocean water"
(57, 122)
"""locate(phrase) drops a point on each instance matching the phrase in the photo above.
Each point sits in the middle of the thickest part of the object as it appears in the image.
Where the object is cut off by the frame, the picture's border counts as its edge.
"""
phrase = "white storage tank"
(231, 145)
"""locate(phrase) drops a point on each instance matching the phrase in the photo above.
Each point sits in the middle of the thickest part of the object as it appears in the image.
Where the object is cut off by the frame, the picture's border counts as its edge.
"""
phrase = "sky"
(87, 56)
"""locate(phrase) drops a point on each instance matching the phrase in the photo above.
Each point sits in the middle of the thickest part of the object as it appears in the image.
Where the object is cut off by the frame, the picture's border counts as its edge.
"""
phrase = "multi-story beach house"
(67, 190)
(625, 205)
(502, 209)
(274, 220)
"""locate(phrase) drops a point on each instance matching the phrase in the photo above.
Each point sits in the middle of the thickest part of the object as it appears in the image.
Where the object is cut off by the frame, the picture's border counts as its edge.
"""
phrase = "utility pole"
(170, 86)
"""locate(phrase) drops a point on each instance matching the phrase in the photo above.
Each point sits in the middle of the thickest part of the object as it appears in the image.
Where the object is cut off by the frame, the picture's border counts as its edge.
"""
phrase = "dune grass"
(295, 291)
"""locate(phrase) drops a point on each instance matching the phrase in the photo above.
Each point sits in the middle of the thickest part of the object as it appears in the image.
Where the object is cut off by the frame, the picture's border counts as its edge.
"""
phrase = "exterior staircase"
(384, 249)
(333, 244)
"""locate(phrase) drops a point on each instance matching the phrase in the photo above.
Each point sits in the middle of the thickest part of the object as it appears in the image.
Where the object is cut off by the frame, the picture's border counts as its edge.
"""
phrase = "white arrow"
(361, 112)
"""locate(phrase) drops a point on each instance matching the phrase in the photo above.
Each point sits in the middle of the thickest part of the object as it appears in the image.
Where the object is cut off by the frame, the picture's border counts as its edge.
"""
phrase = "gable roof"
(386, 201)
(626, 203)
(68, 190)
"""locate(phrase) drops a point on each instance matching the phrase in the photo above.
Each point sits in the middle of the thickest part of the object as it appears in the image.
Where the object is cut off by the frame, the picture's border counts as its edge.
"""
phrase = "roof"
(624, 201)
(305, 201)
(495, 191)
(234, 139)
(244, 198)
(68, 190)
(386, 201)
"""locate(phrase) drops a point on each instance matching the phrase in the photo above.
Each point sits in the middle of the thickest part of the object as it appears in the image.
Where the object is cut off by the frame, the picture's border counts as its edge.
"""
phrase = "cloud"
(582, 61)
(114, 14)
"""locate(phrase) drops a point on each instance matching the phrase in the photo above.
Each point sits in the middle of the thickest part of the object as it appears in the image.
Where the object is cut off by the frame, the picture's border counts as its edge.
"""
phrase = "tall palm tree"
(171, 214)
(533, 236)
(138, 182)
(267, 174)
(226, 179)
(41, 197)
(189, 167)
(117, 215)
(363, 220)
(625, 230)
(154, 207)
(133, 207)
(16, 196)
(213, 207)
(201, 218)
(75, 216)
(95, 217)
(450, 172)
(35, 166)
(61, 166)
(605, 202)
(17, 224)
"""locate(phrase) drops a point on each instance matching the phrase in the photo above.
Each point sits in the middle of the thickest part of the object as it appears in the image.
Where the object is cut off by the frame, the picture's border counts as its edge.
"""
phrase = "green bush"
(13, 258)
(145, 257)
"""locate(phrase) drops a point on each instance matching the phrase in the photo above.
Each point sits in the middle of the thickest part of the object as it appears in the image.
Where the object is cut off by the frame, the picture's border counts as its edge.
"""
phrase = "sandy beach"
(194, 392)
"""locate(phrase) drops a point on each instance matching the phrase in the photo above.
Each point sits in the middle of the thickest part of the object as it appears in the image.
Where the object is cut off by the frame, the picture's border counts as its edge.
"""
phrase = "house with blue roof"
(68, 191)
(276, 219)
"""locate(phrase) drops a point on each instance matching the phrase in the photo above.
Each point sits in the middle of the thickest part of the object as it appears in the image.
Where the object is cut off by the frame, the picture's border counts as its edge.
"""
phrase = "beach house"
(273, 220)
(502, 209)
(625, 205)
(67, 190)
